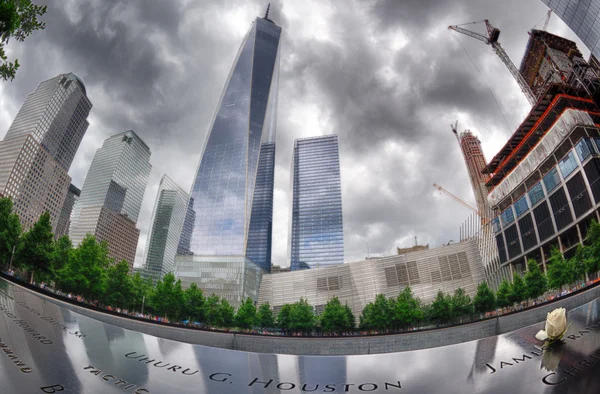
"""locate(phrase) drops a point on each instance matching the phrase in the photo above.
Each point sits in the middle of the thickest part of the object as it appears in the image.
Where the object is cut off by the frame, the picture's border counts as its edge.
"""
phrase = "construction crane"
(455, 130)
(547, 20)
(492, 39)
(463, 203)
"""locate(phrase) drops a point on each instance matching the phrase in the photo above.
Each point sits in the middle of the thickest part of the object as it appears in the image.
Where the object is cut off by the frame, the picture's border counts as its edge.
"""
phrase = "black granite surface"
(46, 348)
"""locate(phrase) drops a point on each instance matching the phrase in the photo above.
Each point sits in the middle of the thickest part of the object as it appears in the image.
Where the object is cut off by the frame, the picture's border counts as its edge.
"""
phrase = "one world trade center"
(227, 246)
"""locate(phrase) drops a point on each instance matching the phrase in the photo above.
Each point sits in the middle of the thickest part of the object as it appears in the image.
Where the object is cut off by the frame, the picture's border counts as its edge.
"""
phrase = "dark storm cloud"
(386, 76)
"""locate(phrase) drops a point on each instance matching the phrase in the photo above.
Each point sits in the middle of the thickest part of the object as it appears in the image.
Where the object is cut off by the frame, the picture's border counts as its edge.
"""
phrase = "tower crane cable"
(485, 81)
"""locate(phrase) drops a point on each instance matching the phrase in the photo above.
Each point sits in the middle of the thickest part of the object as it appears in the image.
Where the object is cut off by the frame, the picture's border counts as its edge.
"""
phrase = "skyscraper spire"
(267, 13)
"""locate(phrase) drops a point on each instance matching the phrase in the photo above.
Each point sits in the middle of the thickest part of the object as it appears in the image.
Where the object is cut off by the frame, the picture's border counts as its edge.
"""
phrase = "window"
(496, 224)
(568, 164)
(536, 193)
(551, 180)
(584, 148)
(521, 206)
(507, 216)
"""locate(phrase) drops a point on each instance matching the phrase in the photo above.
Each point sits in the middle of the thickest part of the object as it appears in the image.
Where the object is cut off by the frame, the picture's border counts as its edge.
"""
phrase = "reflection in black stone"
(107, 359)
(39, 355)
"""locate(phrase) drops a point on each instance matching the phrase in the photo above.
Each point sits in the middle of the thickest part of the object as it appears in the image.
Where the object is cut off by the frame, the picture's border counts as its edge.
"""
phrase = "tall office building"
(582, 18)
(233, 189)
(166, 227)
(64, 220)
(112, 195)
(317, 231)
(39, 146)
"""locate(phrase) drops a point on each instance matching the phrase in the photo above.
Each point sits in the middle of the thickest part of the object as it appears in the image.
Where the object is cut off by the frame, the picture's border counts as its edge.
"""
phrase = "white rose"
(556, 325)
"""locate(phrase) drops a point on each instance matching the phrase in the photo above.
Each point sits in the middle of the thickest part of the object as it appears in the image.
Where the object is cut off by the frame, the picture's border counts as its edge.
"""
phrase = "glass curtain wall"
(317, 233)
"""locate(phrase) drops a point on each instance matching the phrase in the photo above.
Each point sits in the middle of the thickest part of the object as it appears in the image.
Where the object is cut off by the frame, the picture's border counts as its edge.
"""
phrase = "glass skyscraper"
(111, 196)
(39, 146)
(317, 231)
(233, 189)
(582, 17)
(166, 227)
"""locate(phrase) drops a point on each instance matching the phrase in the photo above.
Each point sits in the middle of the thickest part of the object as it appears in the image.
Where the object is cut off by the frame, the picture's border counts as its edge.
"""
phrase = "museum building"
(426, 272)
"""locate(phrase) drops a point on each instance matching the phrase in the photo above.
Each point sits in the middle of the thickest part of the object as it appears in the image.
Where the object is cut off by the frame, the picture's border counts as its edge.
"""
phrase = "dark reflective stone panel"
(46, 348)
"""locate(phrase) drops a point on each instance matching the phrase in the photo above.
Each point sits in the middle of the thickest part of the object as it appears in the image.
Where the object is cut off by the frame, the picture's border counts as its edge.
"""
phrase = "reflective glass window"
(496, 224)
(507, 216)
(568, 164)
(584, 148)
(521, 206)
(536, 193)
(551, 180)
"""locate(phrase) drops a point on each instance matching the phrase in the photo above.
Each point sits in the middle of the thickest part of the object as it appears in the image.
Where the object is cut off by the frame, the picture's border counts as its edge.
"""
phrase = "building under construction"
(475, 161)
(544, 184)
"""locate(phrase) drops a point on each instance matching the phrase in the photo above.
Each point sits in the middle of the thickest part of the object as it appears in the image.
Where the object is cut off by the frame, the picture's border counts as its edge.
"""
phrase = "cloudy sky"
(385, 75)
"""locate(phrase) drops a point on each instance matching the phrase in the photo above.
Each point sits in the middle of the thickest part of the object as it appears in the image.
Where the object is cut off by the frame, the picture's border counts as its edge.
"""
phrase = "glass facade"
(317, 231)
(507, 216)
(166, 228)
(112, 193)
(568, 164)
(582, 17)
(39, 146)
(521, 206)
(233, 189)
(56, 116)
(536, 193)
(64, 220)
(551, 179)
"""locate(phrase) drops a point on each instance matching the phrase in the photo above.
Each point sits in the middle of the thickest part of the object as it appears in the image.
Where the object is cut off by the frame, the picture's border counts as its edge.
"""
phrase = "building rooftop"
(536, 48)
(554, 101)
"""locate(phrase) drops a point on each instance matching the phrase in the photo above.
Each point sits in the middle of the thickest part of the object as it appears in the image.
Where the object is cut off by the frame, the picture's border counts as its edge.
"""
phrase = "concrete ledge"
(374, 344)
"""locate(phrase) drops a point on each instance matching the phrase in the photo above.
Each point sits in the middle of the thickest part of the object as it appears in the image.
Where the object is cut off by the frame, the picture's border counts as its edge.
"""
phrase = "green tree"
(577, 265)
(60, 254)
(461, 303)
(503, 294)
(18, 19)
(10, 230)
(351, 317)
(85, 273)
(591, 253)
(212, 310)
(441, 308)
(246, 314)
(407, 309)
(264, 316)
(377, 314)
(283, 317)
(35, 248)
(194, 306)
(168, 298)
(335, 317)
(535, 280)
(484, 300)
(140, 292)
(226, 314)
(118, 285)
(559, 272)
(302, 316)
(518, 290)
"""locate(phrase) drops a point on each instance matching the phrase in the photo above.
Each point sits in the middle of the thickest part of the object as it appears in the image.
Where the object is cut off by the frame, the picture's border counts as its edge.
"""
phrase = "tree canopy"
(484, 300)
(535, 280)
(18, 19)
(10, 230)
(335, 317)
(34, 250)
(503, 294)
(246, 314)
